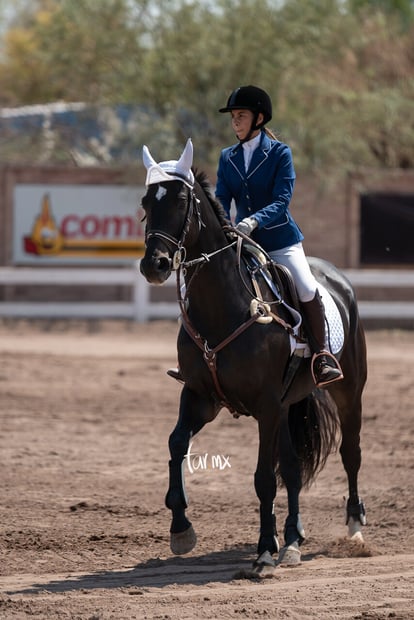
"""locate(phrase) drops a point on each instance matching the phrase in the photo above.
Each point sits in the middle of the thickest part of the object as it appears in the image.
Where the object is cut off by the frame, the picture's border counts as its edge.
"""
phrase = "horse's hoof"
(183, 542)
(290, 555)
(264, 566)
(354, 530)
(357, 537)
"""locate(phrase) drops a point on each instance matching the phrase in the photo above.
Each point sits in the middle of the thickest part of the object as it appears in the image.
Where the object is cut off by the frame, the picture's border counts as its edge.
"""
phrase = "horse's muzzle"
(156, 268)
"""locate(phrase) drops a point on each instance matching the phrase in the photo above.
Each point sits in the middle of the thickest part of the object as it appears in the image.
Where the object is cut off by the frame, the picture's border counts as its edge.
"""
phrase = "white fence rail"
(379, 278)
(141, 308)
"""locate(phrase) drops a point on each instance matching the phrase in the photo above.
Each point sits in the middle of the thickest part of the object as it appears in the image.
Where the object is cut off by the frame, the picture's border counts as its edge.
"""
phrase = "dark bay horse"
(230, 357)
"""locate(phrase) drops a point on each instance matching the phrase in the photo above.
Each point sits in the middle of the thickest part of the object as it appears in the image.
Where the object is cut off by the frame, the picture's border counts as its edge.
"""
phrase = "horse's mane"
(205, 184)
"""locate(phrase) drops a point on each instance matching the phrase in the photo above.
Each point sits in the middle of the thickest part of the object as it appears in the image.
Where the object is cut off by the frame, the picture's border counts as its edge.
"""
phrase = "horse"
(235, 357)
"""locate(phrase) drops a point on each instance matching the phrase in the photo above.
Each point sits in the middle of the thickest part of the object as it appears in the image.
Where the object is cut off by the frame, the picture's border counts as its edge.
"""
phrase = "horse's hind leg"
(290, 470)
(194, 414)
(348, 398)
(350, 451)
(265, 486)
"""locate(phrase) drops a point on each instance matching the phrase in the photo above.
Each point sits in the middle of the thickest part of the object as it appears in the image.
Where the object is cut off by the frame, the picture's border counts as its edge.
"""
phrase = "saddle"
(277, 278)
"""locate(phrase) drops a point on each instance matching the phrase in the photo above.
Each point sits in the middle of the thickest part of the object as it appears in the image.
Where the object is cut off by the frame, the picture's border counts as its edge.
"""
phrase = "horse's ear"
(147, 158)
(186, 160)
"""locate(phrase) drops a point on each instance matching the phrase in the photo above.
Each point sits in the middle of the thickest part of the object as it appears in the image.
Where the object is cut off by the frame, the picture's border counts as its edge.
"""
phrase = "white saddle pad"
(334, 327)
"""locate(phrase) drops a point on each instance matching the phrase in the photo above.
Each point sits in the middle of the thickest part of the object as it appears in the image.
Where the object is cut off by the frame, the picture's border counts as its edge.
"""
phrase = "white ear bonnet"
(170, 170)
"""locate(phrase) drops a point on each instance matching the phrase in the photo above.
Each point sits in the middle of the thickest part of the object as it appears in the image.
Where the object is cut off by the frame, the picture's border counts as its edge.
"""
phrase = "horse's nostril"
(155, 269)
(163, 263)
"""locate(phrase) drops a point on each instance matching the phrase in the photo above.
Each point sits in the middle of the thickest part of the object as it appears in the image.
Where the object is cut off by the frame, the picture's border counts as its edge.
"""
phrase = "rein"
(205, 258)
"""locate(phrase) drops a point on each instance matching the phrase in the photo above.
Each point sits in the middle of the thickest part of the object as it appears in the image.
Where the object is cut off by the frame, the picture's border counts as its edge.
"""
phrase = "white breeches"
(293, 257)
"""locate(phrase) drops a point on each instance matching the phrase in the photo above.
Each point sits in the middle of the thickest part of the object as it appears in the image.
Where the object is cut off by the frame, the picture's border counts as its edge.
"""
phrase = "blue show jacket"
(264, 191)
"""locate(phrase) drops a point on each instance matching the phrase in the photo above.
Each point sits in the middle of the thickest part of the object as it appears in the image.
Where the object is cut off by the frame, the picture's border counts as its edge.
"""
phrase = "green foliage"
(404, 9)
(69, 49)
(340, 73)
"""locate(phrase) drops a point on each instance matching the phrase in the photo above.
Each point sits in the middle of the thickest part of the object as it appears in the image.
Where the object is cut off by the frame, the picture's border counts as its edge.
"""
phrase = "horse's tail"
(313, 430)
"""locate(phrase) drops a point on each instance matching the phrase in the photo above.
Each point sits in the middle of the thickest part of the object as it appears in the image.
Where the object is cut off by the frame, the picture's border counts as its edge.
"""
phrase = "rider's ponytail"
(270, 133)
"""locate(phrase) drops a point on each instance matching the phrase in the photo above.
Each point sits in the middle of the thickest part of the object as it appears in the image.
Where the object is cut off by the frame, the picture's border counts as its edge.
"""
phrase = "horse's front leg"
(195, 412)
(265, 485)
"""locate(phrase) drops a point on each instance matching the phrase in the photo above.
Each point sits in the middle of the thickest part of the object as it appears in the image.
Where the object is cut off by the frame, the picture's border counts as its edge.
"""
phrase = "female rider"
(258, 174)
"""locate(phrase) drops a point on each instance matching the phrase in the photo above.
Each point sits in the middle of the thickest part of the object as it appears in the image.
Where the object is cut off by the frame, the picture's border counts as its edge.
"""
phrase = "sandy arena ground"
(86, 411)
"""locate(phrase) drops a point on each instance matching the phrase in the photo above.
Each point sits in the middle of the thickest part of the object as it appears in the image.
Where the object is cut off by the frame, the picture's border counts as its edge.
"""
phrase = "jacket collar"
(259, 156)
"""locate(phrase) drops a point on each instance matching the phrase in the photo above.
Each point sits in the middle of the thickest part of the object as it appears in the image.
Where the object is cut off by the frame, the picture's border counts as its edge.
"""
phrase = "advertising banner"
(77, 224)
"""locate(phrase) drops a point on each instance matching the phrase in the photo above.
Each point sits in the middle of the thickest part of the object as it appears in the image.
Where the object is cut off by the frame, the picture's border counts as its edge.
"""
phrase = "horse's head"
(168, 206)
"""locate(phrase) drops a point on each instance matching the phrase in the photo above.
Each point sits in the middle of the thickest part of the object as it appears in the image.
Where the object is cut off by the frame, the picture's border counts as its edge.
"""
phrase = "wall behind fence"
(326, 208)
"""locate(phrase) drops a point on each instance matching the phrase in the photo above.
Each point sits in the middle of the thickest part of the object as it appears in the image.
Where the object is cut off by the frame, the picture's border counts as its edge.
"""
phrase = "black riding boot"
(325, 367)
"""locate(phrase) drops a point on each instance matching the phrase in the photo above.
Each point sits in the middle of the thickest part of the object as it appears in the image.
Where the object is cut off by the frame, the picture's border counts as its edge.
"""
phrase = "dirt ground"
(86, 411)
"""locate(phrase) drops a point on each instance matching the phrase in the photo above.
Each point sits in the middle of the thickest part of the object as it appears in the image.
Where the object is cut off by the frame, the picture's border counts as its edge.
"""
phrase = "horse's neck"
(214, 287)
(215, 290)
(211, 236)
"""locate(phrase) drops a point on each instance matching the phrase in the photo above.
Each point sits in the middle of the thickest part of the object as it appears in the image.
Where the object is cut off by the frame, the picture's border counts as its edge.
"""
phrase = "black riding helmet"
(250, 98)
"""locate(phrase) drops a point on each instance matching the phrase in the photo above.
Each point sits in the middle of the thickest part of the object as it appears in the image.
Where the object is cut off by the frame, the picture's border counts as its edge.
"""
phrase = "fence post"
(141, 298)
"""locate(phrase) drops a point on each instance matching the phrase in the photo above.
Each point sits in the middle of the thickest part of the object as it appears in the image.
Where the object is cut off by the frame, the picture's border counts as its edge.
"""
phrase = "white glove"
(247, 225)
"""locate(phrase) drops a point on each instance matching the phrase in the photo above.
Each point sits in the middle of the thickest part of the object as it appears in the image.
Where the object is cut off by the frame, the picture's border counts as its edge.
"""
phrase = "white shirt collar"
(253, 143)
(248, 148)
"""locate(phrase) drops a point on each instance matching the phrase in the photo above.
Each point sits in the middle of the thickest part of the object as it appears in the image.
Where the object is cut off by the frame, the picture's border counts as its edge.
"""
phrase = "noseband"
(180, 253)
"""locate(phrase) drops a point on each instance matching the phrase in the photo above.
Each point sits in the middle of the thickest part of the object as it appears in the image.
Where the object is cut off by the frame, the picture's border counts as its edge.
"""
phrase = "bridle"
(178, 259)
(180, 253)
